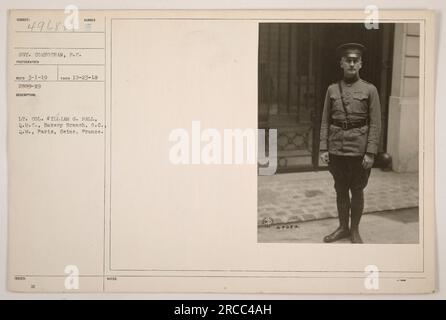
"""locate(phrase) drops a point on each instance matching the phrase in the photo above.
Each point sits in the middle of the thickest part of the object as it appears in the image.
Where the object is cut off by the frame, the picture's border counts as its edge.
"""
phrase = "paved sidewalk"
(306, 196)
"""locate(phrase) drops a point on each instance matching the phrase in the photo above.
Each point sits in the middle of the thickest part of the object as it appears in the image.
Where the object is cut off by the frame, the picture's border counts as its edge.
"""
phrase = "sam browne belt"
(349, 124)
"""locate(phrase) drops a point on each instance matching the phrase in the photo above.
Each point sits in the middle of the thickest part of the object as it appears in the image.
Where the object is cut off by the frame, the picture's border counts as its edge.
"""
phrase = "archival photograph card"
(226, 151)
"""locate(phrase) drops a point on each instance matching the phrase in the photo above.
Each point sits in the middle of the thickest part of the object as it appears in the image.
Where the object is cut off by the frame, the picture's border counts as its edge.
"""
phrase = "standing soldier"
(350, 132)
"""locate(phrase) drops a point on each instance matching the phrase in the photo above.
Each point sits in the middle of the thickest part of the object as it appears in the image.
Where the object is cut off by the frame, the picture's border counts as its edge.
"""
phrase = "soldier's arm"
(325, 123)
(374, 122)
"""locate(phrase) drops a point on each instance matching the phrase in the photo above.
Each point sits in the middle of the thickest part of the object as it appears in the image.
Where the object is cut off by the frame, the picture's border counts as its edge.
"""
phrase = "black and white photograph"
(343, 99)
(222, 151)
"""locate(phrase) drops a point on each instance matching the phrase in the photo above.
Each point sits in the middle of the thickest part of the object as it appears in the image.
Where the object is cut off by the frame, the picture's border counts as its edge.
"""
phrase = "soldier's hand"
(324, 157)
(367, 162)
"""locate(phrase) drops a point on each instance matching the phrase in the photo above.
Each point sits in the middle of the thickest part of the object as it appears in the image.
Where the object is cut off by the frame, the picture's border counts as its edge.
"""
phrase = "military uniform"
(362, 104)
(350, 128)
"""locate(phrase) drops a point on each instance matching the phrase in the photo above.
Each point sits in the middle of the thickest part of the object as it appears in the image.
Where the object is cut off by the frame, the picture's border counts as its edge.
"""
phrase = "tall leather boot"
(357, 209)
(343, 204)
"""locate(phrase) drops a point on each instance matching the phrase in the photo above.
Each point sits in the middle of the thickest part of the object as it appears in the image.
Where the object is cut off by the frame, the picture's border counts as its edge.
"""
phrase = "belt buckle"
(345, 125)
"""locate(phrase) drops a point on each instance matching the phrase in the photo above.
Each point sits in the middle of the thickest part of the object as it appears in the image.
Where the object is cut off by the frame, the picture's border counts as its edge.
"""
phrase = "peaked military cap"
(350, 48)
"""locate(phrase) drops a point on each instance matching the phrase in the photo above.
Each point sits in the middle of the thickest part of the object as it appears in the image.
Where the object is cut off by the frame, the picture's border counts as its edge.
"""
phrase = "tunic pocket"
(335, 137)
(360, 102)
(355, 140)
(336, 103)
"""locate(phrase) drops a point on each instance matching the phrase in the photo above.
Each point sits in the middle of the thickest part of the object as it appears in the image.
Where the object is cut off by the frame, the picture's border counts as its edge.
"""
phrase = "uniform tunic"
(361, 100)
